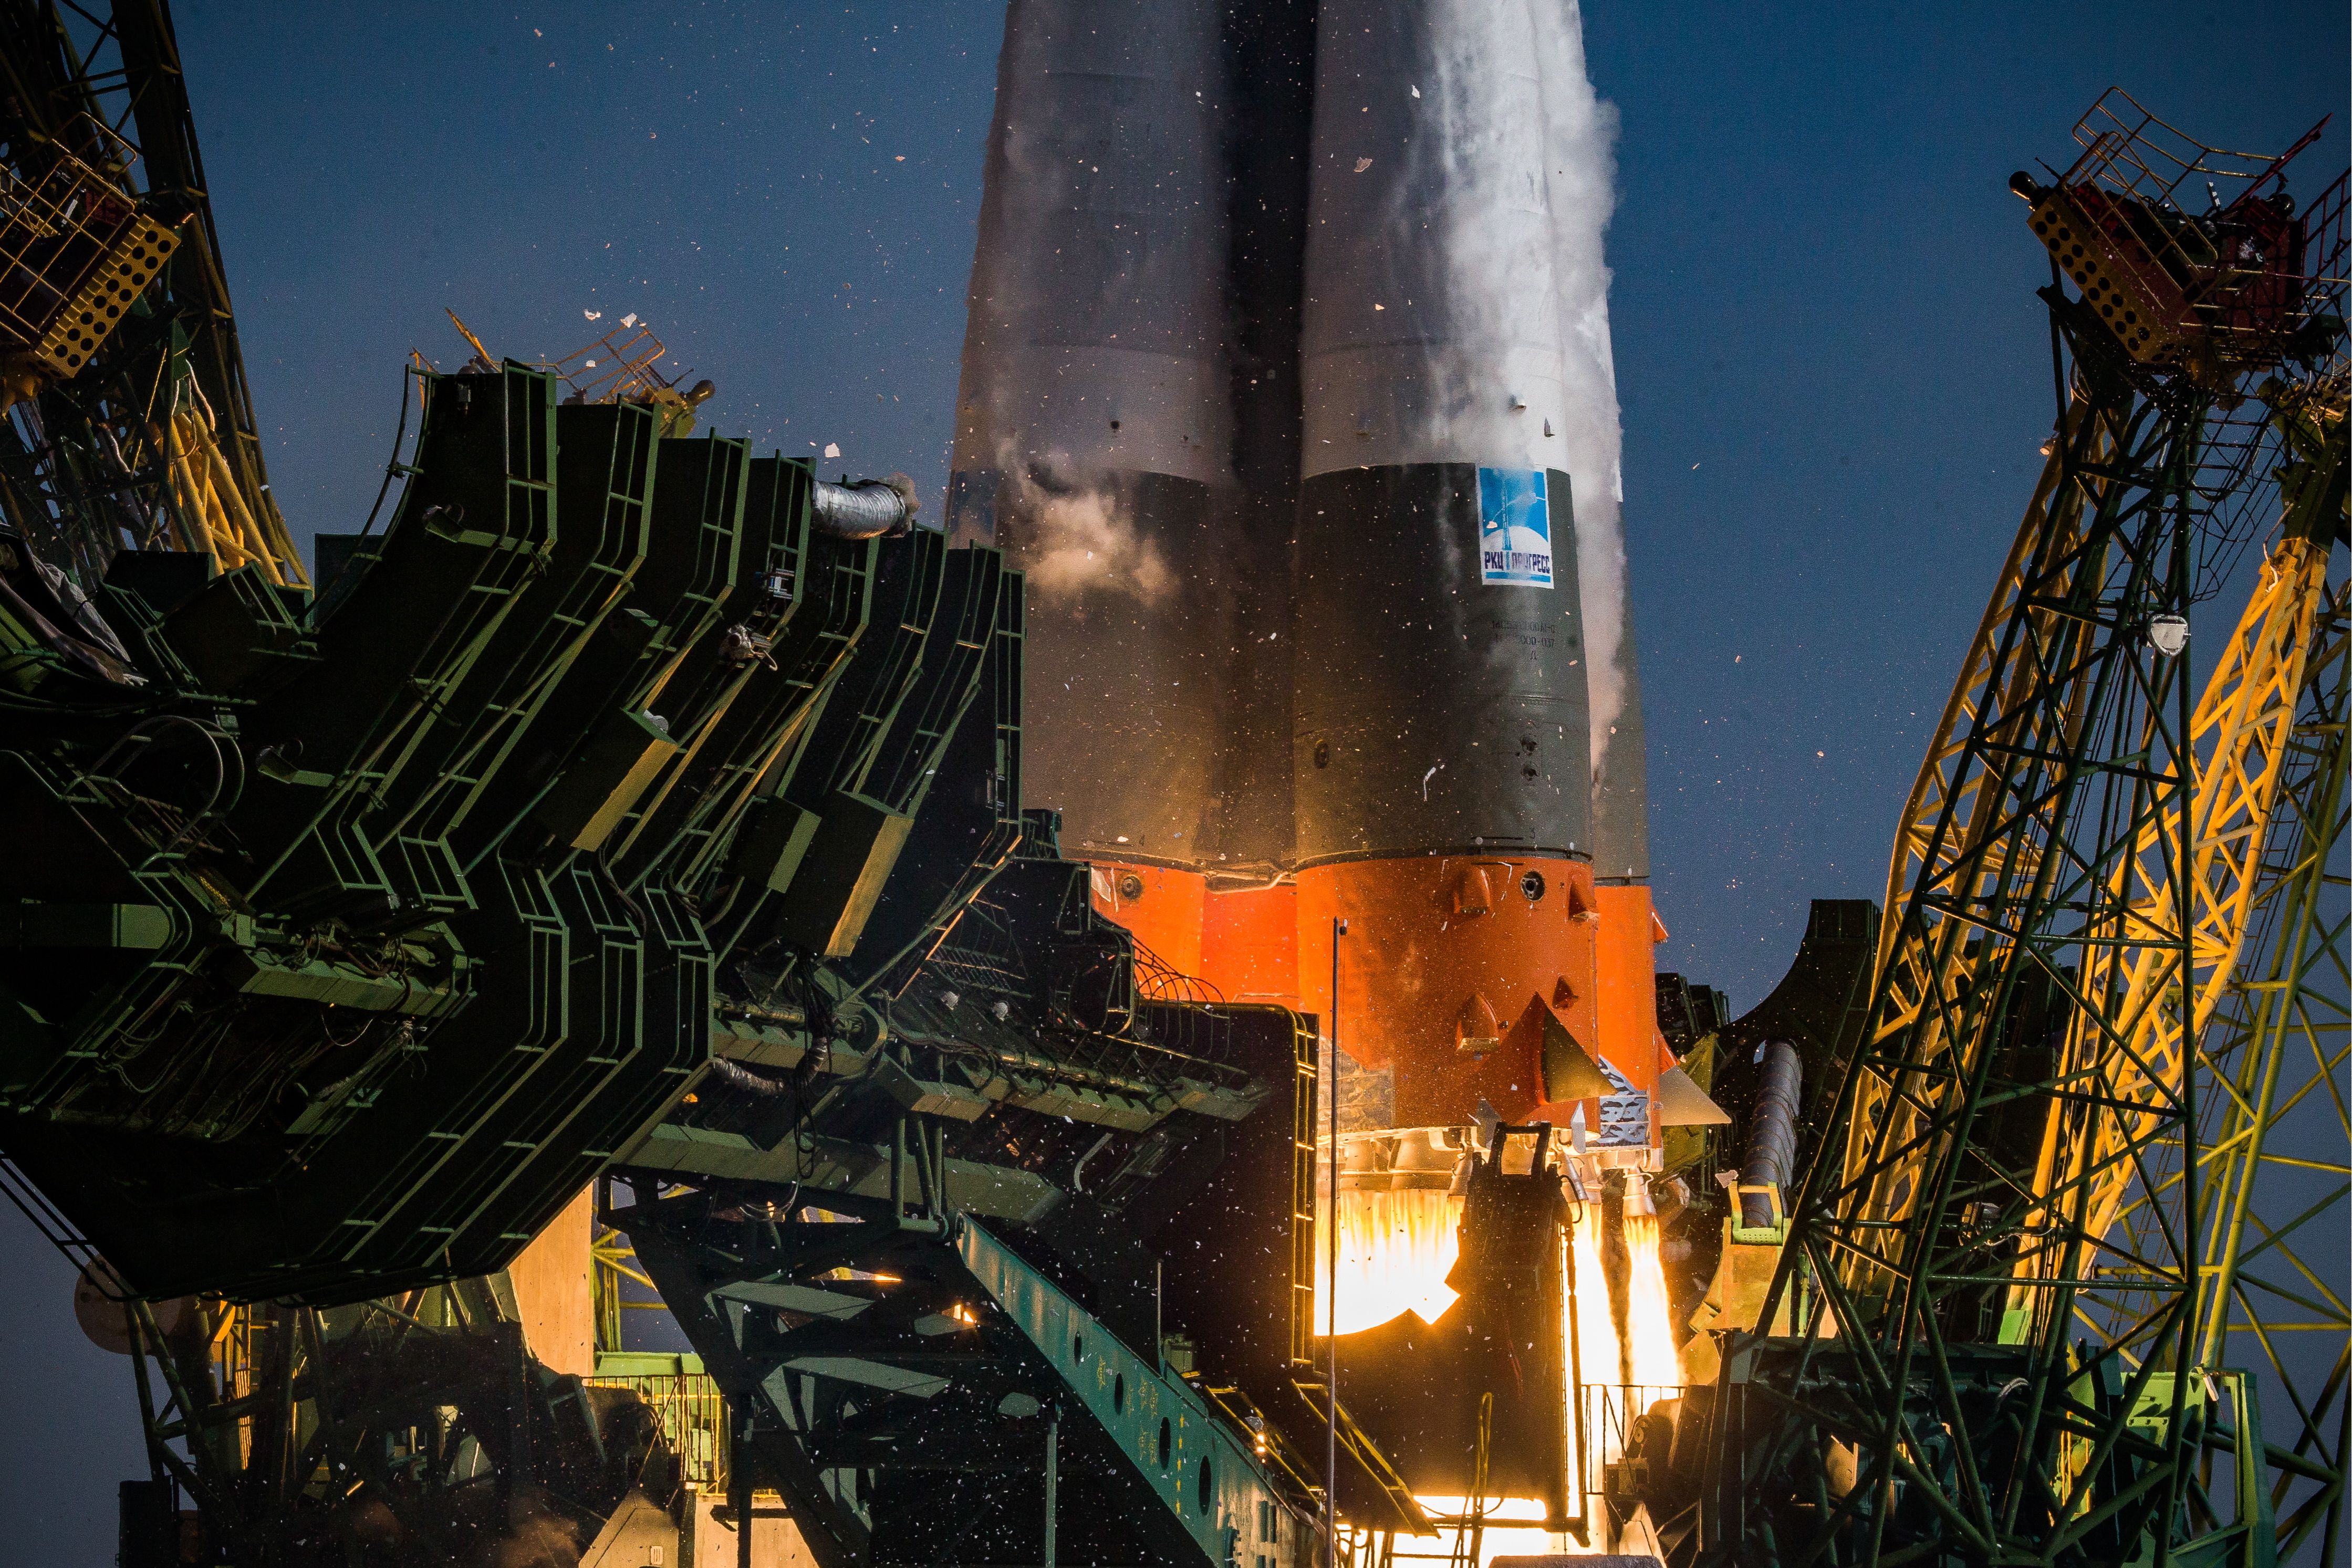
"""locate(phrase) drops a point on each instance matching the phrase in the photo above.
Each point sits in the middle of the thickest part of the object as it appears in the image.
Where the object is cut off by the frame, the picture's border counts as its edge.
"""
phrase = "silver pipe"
(736, 1077)
(866, 508)
(1078, 1172)
(1772, 1134)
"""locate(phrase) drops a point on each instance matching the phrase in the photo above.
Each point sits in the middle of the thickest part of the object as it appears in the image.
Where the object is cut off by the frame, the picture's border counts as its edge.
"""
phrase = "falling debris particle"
(1820, 754)
(592, 364)
(831, 449)
(1737, 657)
(1693, 467)
(593, 315)
(1379, 307)
(1416, 92)
(1362, 164)
(902, 158)
(630, 320)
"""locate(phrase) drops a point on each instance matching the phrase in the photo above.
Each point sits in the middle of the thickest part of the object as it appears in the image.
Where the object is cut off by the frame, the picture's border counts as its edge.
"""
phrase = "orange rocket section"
(1160, 905)
(1243, 941)
(1249, 945)
(1451, 968)
(1462, 975)
(1626, 965)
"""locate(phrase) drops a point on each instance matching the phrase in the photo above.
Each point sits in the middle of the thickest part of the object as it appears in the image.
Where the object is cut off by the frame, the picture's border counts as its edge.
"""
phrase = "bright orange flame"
(1513, 1528)
(1601, 1356)
(1596, 1332)
(1649, 1321)
(1395, 1250)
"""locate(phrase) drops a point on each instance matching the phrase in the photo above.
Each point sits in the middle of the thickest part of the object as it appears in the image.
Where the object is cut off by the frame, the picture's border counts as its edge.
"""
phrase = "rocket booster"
(1442, 755)
(1288, 382)
(1104, 373)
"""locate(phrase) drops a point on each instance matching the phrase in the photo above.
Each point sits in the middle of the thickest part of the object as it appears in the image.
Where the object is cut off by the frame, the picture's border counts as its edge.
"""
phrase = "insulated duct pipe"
(1772, 1135)
(727, 1072)
(866, 508)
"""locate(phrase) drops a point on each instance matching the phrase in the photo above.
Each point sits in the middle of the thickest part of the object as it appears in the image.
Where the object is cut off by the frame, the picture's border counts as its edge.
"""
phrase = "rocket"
(1288, 382)
(1127, 429)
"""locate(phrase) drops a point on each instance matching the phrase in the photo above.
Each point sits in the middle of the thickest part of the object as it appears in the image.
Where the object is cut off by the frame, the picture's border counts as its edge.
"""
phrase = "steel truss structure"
(2109, 994)
(2021, 1278)
(2064, 744)
(2270, 1286)
(152, 445)
(415, 1424)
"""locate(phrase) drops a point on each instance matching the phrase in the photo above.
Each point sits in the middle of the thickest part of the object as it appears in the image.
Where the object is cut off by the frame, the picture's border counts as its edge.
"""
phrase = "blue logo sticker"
(1514, 528)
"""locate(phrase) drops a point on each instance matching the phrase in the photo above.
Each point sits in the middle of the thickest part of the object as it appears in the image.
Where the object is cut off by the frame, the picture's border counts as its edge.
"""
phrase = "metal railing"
(1606, 1417)
(693, 1416)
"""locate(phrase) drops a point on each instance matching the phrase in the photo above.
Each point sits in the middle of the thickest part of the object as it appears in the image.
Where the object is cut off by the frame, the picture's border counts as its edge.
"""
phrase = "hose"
(1772, 1135)
(867, 508)
(735, 1077)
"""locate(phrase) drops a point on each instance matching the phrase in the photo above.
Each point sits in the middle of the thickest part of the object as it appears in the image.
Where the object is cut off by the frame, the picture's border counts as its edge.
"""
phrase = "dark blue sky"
(1833, 369)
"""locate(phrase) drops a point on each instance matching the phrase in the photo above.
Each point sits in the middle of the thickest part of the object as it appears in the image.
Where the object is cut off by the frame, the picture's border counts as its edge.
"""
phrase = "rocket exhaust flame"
(1649, 1354)
(1395, 1250)
(1651, 1357)
(1598, 1354)
(1509, 1526)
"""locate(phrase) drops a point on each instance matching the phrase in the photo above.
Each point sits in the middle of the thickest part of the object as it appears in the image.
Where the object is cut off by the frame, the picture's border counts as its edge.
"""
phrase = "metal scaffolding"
(2096, 1122)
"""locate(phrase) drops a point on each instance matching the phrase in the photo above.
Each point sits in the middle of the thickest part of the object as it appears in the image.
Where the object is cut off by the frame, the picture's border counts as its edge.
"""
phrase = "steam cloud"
(1580, 134)
(1082, 538)
(1487, 184)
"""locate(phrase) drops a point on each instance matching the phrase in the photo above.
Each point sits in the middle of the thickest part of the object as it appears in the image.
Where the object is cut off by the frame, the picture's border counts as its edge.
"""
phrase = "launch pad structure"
(1122, 1027)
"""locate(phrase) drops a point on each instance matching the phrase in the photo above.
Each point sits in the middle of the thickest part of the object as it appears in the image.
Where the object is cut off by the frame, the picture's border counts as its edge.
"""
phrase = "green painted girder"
(904, 1373)
(470, 1014)
(1922, 1217)
(1193, 1461)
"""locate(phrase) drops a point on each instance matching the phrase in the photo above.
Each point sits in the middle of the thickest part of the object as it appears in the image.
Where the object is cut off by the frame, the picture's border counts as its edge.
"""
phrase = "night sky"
(1833, 369)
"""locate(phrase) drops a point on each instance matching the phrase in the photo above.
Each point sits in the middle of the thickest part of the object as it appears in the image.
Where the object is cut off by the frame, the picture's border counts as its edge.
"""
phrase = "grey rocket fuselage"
(1246, 326)
(1287, 384)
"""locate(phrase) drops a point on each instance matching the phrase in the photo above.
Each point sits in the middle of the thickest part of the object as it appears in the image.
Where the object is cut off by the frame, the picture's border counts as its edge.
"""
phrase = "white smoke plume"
(1081, 537)
(1458, 297)
(1580, 136)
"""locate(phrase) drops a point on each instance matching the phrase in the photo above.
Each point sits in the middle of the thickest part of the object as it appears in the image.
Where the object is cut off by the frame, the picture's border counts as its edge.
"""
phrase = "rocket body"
(1288, 383)
(1093, 434)
(1442, 740)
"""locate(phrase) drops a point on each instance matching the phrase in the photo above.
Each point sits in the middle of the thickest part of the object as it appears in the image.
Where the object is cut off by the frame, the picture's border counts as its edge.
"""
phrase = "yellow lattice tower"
(1925, 967)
